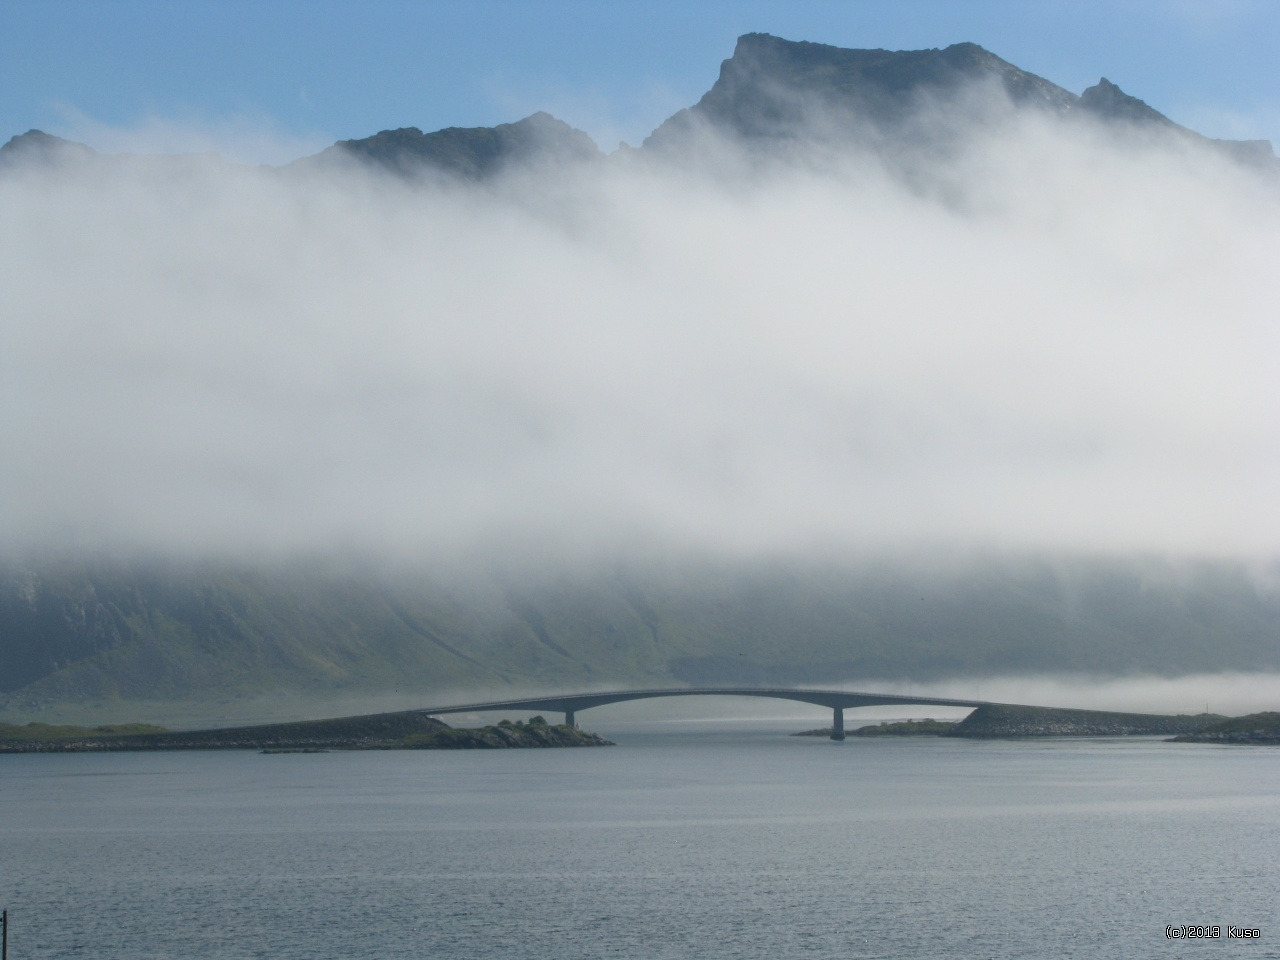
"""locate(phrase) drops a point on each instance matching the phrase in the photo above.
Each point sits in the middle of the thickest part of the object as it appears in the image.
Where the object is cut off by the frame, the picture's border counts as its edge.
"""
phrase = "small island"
(406, 730)
(892, 728)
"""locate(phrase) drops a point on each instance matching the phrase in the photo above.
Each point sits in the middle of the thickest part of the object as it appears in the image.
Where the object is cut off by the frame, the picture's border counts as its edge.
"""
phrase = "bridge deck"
(570, 703)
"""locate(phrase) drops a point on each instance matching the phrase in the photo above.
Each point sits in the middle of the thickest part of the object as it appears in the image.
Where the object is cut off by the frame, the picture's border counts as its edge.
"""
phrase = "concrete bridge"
(837, 700)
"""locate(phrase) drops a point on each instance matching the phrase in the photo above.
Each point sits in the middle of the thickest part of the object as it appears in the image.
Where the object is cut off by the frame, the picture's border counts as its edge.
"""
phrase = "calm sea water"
(686, 841)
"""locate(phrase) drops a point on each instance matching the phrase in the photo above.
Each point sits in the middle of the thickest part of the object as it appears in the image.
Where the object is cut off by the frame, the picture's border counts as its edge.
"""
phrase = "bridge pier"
(837, 723)
(568, 719)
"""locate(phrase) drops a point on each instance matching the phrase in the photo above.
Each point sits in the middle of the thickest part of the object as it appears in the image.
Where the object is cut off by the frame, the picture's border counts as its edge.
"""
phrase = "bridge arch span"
(836, 700)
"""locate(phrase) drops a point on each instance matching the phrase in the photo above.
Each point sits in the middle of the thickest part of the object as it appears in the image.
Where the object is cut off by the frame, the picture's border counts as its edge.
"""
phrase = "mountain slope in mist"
(876, 307)
(109, 634)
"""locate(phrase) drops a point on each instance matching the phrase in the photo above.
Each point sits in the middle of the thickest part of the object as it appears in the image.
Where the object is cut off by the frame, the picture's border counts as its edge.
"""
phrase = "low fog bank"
(1065, 343)
(1232, 693)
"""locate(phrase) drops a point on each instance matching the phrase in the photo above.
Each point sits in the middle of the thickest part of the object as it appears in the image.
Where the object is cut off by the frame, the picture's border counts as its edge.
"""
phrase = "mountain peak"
(771, 87)
(44, 148)
(1105, 99)
(1108, 102)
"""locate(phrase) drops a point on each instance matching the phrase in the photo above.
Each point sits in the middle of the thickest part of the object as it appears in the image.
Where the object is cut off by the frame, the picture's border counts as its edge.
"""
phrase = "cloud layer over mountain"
(1060, 339)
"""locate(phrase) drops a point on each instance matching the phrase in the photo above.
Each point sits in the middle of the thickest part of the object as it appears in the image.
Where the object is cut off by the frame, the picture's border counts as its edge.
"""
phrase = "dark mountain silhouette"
(468, 153)
(771, 91)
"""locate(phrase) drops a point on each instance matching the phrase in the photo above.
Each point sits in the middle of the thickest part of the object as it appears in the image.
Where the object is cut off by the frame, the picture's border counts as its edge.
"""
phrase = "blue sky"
(282, 76)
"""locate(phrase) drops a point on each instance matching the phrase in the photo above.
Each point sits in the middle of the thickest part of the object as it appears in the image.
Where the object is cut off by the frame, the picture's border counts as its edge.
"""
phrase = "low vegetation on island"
(536, 732)
(906, 728)
(407, 730)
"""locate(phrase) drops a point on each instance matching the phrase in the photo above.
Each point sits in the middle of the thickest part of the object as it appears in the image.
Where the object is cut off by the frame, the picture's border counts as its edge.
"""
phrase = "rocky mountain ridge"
(770, 91)
(471, 154)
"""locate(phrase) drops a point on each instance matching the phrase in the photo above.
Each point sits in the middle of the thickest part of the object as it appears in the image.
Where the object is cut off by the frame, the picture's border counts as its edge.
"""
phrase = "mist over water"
(1070, 347)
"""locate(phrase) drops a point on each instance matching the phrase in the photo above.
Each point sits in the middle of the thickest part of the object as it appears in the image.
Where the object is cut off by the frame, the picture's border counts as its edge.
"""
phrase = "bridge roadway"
(838, 700)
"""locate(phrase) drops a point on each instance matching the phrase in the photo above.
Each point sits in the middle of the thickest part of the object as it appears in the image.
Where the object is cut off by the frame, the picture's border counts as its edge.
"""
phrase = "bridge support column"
(837, 723)
(568, 719)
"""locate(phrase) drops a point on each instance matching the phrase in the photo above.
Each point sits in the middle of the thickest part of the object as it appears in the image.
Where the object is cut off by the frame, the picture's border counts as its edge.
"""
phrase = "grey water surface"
(687, 840)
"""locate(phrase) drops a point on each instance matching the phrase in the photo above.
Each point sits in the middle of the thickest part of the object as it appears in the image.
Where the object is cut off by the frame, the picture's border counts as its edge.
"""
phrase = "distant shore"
(1256, 728)
(997, 721)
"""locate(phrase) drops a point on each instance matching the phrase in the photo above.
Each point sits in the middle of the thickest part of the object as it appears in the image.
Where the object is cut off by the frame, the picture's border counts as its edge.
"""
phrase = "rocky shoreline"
(407, 730)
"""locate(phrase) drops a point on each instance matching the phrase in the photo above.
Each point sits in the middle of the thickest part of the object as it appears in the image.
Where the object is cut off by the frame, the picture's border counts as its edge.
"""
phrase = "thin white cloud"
(250, 139)
(1230, 123)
